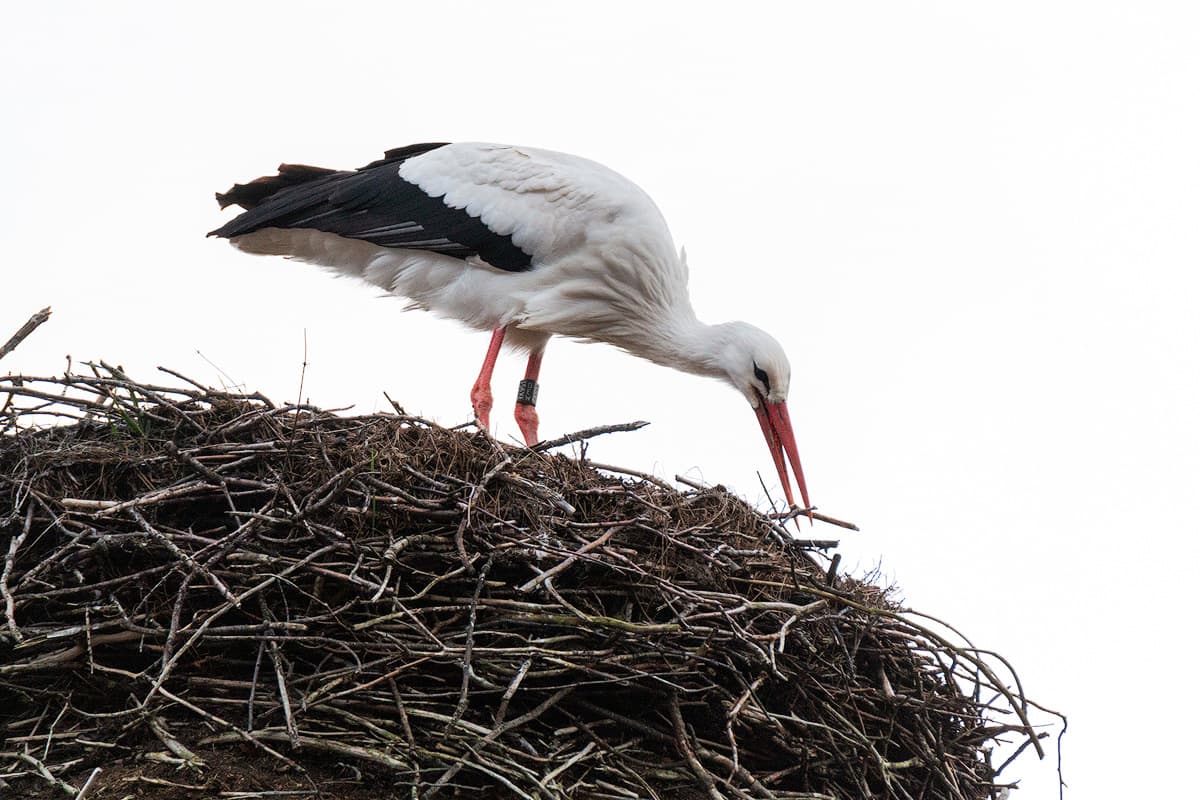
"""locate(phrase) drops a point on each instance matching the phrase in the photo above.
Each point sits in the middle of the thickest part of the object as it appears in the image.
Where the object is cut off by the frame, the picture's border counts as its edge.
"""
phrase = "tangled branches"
(187, 570)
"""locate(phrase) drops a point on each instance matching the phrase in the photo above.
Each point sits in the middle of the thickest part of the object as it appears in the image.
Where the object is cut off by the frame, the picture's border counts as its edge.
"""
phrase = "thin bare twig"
(29, 327)
(588, 433)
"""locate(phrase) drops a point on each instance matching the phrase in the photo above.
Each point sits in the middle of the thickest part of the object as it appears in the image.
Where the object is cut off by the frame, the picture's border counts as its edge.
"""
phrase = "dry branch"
(29, 327)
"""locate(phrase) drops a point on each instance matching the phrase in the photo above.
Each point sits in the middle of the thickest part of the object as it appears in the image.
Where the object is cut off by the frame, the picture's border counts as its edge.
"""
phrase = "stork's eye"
(761, 375)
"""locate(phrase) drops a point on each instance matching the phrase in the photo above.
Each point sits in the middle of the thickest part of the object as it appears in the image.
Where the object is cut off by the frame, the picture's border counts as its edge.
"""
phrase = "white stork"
(525, 243)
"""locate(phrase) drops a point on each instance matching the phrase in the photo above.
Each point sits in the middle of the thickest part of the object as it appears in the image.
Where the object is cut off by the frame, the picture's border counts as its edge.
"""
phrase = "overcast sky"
(973, 226)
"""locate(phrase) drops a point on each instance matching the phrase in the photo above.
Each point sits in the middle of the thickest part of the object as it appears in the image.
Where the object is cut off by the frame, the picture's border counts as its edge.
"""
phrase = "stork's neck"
(683, 342)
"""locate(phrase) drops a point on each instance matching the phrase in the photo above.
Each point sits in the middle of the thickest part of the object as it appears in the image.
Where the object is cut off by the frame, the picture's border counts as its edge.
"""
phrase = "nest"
(208, 594)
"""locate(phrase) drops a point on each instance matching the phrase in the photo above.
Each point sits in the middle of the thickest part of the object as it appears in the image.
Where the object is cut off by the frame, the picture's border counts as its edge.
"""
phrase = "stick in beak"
(777, 430)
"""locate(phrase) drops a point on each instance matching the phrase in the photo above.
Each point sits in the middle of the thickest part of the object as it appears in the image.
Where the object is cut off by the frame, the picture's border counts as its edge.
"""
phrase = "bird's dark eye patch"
(761, 375)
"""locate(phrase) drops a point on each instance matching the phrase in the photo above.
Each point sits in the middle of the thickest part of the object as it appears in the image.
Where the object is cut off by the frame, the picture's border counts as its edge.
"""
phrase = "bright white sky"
(973, 226)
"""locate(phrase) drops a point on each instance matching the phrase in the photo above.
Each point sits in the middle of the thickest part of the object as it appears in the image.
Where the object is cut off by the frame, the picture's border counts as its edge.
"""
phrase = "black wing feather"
(373, 204)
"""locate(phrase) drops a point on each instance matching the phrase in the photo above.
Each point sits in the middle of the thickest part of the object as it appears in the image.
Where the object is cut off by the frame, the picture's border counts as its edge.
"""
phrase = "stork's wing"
(550, 204)
(374, 204)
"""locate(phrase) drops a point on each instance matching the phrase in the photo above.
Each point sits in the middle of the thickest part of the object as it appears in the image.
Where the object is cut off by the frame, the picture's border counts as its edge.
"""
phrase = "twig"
(173, 744)
(29, 327)
(682, 739)
(87, 785)
(385, 760)
(588, 433)
(599, 541)
(10, 558)
(635, 473)
(45, 773)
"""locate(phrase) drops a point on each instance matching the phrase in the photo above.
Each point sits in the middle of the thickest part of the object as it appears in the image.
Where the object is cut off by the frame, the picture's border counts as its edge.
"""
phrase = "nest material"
(193, 575)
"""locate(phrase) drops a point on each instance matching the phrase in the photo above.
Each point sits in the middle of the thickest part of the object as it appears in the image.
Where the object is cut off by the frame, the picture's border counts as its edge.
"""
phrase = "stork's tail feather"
(249, 195)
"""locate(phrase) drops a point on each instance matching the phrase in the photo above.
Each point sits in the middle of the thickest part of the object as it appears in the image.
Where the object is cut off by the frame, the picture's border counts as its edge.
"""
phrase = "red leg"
(481, 392)
(526, 412)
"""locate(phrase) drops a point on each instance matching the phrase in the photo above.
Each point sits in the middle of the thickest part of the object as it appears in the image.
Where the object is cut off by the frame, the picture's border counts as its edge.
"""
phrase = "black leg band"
(527, 392)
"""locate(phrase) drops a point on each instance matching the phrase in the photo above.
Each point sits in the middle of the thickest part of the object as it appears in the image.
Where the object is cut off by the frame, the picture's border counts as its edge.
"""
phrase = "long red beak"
(777, 430)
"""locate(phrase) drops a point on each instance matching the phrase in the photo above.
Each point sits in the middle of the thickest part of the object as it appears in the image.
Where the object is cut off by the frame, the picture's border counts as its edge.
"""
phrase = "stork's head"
(757, 367)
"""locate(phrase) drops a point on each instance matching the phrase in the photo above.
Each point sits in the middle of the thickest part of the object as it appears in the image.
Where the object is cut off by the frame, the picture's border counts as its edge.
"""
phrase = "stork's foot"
(527, 421)
(481, 392)
(481, 401)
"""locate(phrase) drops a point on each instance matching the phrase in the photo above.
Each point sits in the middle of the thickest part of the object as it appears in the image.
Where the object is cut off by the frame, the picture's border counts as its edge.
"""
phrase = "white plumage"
(526, 243)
